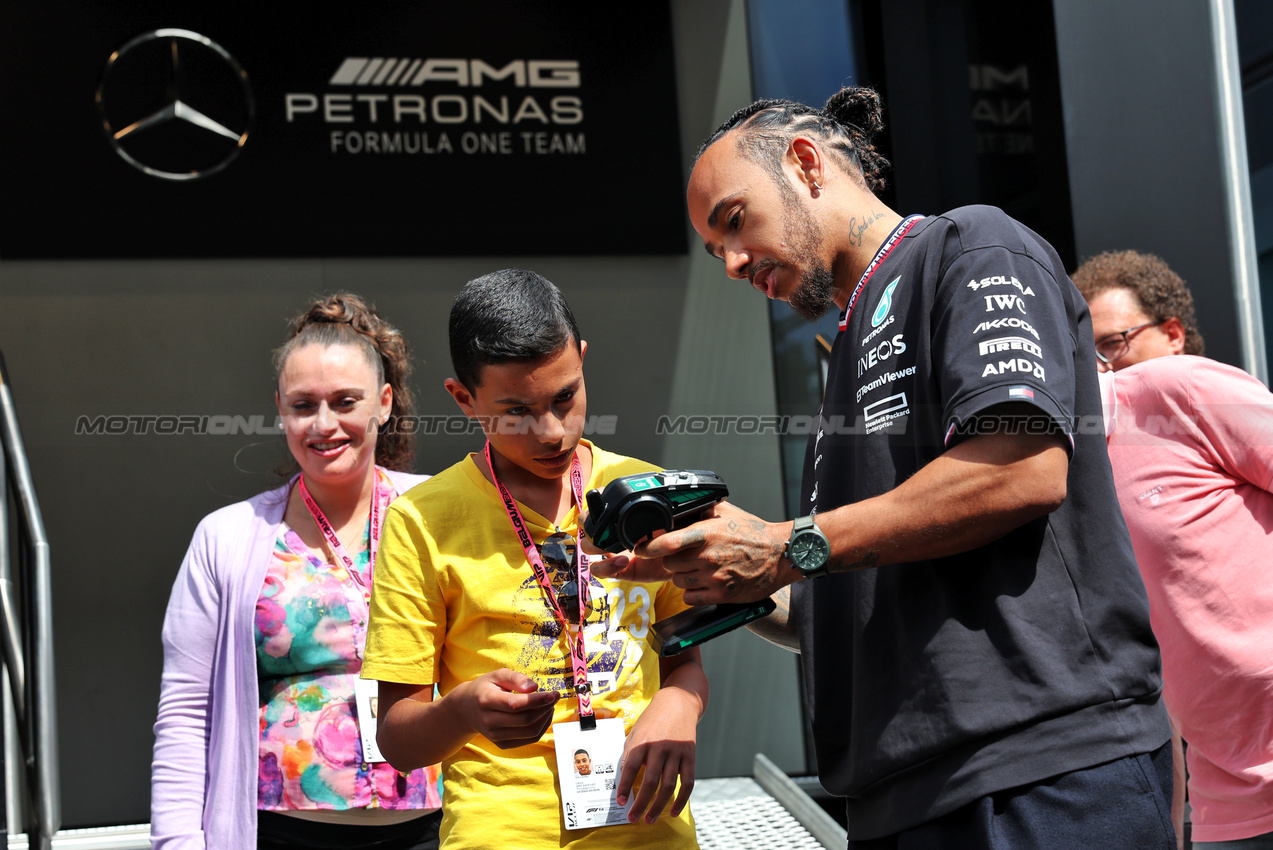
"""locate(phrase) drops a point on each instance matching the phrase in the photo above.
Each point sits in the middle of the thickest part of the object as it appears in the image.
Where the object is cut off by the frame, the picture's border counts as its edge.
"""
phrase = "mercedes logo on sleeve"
(175, 104)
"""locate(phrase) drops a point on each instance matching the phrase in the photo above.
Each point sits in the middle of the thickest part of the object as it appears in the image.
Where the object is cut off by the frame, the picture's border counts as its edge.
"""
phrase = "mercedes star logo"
(175, 104)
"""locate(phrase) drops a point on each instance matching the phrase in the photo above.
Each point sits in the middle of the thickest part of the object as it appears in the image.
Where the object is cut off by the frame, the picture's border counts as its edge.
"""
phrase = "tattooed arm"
(777, 628)
(974, 493)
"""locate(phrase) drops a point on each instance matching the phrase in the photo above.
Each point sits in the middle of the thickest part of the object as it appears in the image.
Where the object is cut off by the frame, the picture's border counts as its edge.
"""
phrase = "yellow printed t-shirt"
(454, 598)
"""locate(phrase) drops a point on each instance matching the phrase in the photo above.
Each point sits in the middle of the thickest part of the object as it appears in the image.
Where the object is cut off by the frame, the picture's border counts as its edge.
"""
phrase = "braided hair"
(346, 319)
(847, 124)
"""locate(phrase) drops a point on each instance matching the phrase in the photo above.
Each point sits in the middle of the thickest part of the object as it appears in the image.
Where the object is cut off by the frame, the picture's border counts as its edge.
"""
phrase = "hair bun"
(857, 107)
(339, 308)
(857, 110)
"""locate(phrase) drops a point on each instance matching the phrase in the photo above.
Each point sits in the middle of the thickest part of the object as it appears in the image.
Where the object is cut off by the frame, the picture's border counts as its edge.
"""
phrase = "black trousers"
(1122, 805)
(282, 832)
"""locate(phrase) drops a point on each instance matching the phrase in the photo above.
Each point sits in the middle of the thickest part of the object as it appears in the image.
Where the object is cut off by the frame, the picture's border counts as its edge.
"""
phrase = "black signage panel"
(236, 129)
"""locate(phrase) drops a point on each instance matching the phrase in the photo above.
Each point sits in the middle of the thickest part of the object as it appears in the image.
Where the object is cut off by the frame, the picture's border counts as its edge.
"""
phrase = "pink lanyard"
(578, 655)
(333, 542)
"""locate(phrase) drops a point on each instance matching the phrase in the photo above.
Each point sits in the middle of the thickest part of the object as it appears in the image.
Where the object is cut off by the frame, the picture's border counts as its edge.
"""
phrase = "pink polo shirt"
(1191, 445)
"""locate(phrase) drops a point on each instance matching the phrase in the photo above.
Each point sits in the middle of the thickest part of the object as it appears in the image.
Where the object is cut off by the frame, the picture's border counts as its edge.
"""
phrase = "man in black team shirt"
(979, 660)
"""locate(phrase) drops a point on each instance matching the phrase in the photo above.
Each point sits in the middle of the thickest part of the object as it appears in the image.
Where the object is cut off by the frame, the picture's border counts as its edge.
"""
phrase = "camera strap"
(578, 654)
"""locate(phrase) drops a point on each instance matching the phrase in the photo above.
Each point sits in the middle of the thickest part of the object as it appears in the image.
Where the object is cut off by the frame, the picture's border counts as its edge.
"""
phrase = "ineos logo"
(175, 104)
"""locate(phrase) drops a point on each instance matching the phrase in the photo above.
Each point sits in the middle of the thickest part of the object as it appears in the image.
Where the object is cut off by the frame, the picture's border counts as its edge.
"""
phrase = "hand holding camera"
(632, 508)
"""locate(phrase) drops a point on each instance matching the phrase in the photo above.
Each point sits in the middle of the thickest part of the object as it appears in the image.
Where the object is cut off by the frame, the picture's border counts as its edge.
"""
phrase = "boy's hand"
(628, 567)
(507, 708)
(624, 566)
(594, 552)
(661, 742)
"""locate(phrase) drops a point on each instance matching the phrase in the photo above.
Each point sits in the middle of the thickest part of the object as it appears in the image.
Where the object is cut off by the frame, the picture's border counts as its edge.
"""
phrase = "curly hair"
(1161, 292)
(847, 124)
(346, 319)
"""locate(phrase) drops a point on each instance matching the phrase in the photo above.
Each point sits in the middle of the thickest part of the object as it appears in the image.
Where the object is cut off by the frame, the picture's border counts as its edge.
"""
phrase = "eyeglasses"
(558, 553)
(1114, 346)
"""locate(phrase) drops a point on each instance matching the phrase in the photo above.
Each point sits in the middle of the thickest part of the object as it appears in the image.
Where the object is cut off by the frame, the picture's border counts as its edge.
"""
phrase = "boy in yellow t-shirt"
(457, 603)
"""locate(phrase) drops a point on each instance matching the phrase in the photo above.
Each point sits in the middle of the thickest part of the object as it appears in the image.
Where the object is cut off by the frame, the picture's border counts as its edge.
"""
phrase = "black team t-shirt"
(933, 683)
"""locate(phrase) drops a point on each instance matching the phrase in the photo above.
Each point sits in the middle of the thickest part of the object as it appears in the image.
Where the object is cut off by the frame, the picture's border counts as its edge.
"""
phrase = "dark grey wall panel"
(1142, 124)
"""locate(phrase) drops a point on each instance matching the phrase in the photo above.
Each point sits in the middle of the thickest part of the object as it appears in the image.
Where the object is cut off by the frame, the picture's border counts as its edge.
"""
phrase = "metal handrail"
(808, 813)
(30, 663)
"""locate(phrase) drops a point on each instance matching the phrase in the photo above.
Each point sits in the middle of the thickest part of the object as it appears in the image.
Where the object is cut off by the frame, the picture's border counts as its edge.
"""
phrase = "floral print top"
(310, 629)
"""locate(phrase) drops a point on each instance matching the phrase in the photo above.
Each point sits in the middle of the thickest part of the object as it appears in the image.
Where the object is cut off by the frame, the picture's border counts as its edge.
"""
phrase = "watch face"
(809, 551)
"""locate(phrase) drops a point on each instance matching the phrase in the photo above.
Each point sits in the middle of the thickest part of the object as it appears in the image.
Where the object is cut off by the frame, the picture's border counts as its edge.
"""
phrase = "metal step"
(733, 813)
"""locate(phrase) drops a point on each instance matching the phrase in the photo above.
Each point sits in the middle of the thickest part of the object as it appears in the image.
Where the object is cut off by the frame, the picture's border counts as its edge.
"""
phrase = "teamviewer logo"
(175, 104)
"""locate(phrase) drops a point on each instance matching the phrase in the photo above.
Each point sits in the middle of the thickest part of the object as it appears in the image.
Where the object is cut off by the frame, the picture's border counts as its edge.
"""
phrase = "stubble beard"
(814, 293)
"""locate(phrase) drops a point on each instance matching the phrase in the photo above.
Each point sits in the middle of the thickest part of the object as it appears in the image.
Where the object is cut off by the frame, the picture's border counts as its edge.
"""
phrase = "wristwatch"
(808, 548)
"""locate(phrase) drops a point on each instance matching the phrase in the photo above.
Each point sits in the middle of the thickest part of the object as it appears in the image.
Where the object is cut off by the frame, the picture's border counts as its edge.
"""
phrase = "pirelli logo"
(1009, 343)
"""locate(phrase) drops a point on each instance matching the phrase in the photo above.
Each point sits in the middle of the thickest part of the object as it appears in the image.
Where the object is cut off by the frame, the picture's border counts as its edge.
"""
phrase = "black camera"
(633, 507)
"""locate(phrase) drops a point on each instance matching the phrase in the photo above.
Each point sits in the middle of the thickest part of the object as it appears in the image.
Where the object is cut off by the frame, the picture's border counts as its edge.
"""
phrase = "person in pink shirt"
(1191, 445)
(1140, 308)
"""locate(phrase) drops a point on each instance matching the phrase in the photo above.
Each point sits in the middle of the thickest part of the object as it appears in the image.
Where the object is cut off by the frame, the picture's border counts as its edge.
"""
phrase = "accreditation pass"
(588, 766)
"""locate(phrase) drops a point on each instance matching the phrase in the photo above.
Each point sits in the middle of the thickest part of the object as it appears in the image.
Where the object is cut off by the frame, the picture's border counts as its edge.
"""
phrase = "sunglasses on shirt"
(558, 551)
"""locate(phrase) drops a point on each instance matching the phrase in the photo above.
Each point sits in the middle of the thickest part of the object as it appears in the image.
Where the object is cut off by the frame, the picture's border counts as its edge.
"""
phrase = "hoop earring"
(817, 185)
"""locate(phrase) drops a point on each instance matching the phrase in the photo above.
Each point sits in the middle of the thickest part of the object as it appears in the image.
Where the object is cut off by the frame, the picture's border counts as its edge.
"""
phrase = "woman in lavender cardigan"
(260, 740)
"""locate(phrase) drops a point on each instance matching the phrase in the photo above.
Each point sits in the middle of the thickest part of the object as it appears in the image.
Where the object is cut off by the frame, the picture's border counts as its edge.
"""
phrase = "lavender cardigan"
(203, 780)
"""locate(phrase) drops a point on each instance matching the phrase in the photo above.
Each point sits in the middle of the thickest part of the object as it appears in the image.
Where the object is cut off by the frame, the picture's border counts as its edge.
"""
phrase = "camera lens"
(641, 518)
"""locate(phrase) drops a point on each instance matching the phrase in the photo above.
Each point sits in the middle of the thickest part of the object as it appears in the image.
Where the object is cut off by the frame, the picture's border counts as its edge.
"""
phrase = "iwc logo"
(175, 104)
